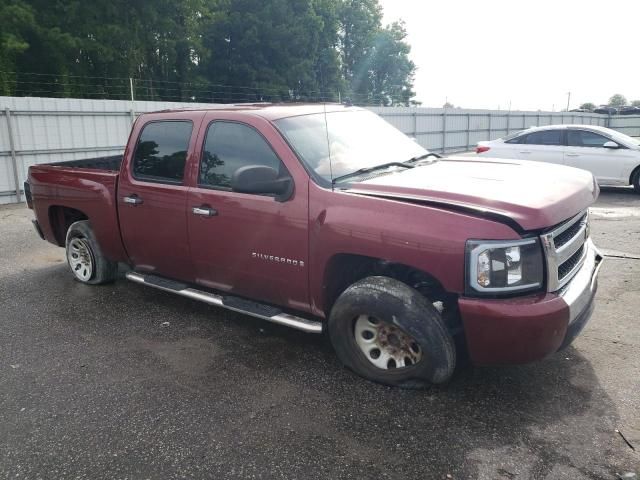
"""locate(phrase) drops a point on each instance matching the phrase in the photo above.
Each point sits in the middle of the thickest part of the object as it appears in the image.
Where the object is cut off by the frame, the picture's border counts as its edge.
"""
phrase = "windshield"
(625, 138)
(358, 139)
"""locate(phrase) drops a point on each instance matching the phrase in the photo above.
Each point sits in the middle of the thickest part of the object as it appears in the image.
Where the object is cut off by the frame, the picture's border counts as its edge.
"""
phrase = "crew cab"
(326, 218)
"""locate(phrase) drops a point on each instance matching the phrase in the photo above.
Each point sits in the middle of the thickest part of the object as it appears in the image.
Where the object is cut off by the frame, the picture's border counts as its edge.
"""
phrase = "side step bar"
(254, 309)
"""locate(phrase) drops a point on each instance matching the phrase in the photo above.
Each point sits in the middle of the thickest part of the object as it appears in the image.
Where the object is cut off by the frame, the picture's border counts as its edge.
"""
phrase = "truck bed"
(78, 189)
(111, 162)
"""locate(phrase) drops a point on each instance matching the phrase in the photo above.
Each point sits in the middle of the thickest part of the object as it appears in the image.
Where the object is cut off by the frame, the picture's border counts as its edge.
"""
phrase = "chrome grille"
(565, 268)
(569, 233)
(564, 250)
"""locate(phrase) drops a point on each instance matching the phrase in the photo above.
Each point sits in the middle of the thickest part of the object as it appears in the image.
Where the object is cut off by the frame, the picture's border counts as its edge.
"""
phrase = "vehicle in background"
(629, 110)
(612, 157)
(606, 110)
(326, 217)
(580, 110)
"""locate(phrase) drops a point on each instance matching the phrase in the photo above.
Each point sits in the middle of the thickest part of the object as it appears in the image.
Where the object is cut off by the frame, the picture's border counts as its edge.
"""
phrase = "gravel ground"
(92, 385)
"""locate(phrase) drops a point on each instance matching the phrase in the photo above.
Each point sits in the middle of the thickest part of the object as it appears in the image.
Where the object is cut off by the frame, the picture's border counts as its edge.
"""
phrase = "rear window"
(161, 151)
(515, 137)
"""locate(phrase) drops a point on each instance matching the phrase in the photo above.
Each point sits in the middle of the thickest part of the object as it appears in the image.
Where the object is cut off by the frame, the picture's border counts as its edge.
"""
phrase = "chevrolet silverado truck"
(327, 218)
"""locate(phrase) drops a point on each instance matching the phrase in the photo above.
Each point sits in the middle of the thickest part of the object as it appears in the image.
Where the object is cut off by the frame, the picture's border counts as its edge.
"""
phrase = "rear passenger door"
(585, 150)
(152, 197)
(543, 146)
(250, 245)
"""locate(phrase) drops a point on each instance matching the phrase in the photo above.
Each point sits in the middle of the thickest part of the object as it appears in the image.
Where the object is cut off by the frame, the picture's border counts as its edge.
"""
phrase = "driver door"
(250, 245)
(585, 150)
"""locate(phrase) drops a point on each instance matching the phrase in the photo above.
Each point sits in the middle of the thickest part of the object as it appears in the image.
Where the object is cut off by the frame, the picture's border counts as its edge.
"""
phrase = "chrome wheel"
(80, 259)
(385, 345)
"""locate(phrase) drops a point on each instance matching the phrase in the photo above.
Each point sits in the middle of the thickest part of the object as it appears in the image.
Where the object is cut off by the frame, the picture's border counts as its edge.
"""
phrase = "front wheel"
(389, 333)
(85, 258)
(636, 181)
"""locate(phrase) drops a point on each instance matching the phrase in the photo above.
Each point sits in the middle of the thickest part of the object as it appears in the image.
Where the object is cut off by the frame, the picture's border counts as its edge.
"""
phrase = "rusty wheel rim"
(385, 345)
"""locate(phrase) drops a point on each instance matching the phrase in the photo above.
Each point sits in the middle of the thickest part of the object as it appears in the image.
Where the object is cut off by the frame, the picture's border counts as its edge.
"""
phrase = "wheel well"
(61, 219)
(344, 270)
(635, 172)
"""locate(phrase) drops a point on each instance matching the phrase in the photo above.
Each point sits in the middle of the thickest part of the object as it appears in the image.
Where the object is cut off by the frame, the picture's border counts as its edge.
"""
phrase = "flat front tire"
(389, 333)
(84, 256)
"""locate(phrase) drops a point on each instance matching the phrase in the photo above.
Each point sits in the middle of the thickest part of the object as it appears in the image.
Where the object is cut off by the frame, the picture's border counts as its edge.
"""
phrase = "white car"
(612, 157)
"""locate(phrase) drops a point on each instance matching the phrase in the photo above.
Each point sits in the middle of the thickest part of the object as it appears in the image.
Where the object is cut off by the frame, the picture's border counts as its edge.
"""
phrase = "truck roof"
(270, 111)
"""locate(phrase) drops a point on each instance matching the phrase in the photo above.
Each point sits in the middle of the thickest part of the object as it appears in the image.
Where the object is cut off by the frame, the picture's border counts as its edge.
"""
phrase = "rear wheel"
(85, 258)
(389, 333)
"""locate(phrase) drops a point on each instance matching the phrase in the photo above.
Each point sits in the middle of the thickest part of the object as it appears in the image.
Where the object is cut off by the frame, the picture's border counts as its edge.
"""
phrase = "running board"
(248, 307)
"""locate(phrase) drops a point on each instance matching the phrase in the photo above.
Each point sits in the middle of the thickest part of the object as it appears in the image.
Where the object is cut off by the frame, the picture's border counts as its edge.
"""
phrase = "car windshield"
(624, 138)
(357, 138)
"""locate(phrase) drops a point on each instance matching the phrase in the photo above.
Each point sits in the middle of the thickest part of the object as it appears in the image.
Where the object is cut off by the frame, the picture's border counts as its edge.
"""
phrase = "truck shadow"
(280, 397)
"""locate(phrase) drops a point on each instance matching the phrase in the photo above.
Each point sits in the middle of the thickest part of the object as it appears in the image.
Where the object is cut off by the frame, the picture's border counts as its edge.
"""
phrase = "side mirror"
(610, 144)
(261, 179)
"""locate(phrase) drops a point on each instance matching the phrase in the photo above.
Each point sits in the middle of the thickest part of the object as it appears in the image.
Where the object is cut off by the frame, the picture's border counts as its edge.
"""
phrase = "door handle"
(525, 151)
(204, 211)
(573, 154)
(132, 199)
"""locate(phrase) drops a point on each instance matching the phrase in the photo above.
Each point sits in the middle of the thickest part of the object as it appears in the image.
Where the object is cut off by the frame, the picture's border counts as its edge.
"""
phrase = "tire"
(84, 256)
(636, 181)
(422, 350)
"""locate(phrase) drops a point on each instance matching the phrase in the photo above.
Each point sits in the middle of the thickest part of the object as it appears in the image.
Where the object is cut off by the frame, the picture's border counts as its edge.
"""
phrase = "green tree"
(391, 72)
(360, 20)
(588, 106)
(375, 60)
(272, 46)
(205, 50)
(617, 100)
(16, 21)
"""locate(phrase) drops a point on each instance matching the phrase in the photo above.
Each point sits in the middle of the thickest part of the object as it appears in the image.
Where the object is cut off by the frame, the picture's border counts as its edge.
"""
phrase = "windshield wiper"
(370, 169)
(421, 157)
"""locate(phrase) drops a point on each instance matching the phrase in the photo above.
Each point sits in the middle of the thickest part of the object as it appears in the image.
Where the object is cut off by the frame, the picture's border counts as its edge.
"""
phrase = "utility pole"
(132, 112)
(568, 100)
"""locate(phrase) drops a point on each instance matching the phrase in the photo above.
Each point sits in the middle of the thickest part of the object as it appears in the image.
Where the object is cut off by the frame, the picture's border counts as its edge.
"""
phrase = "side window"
(161, 151)
(584, 138)
(519, 139)
(545, 137)
(228, 147)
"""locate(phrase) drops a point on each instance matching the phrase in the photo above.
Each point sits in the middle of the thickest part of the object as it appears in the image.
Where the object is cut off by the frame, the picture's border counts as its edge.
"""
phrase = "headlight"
(497, 267)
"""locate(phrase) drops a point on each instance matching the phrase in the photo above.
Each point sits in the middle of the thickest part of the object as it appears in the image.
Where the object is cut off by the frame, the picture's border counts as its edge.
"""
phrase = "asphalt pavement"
(122, 381)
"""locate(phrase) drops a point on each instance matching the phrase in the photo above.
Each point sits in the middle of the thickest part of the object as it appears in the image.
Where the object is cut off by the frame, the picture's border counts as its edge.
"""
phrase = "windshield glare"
(358, 139)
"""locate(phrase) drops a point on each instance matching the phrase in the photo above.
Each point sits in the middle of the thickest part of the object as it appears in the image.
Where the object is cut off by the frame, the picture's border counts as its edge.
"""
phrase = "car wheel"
(636, 181)
(85, 258)
(389, 333)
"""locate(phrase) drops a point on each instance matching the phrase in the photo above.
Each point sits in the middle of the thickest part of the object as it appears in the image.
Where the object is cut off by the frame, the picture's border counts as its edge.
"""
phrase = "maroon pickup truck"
(328, 218)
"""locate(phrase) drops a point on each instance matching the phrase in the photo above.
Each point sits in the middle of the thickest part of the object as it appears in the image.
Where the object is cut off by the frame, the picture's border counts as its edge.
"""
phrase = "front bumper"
(525, 329)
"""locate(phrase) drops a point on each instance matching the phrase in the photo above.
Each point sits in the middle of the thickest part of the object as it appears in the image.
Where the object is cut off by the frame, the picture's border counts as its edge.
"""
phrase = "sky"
(488, 53)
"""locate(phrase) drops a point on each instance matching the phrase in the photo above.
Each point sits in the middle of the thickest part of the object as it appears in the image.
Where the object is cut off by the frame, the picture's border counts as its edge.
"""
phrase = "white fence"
(42, 130)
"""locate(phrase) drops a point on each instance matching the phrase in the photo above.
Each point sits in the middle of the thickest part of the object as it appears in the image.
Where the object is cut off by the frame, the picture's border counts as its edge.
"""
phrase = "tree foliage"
(204, 50)
(617, 100)
(588, 106)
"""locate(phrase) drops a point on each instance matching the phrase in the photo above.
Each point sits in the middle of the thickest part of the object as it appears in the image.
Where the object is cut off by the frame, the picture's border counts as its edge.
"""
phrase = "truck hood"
(533, 195)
